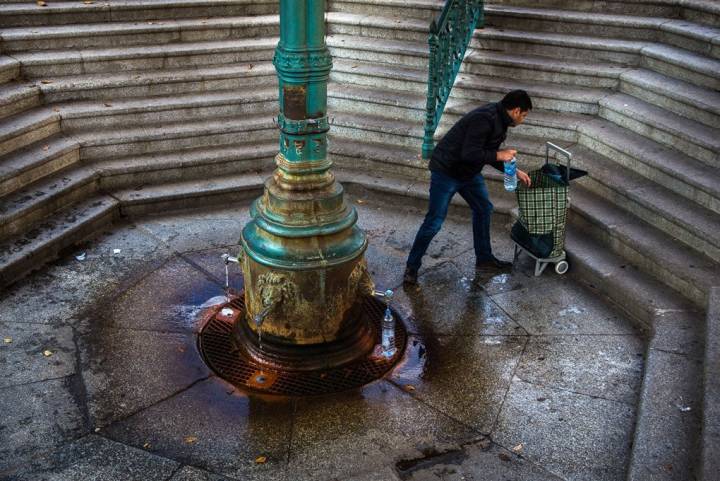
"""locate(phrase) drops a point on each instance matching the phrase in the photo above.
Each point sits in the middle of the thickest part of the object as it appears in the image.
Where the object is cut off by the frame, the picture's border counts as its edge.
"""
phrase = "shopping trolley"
(540, 229)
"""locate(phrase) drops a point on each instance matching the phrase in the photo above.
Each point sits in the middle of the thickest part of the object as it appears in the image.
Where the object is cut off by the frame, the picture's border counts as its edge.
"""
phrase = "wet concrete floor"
(507, 376)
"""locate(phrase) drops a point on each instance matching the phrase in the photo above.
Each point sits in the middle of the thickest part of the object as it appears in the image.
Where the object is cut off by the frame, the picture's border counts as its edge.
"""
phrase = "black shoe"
(493, 264)
(410, 276)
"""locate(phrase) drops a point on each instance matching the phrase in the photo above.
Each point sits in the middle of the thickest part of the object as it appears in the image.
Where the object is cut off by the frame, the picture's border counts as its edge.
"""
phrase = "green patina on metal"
(302, 254)
(448, 40)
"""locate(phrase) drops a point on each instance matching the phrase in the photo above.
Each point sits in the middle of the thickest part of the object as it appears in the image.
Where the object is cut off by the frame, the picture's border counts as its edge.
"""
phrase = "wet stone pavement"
(506, 376)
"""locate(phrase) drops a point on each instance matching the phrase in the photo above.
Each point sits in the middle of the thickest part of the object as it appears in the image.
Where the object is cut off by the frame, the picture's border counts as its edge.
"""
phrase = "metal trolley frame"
(561, 264)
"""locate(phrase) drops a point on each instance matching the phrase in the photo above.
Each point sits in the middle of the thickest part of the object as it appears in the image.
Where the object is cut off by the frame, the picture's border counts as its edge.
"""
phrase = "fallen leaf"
(360, 201)
(107, 104)
(41, 3)
(409, 387)
(46, 81)
(46, 147)
(147, 445)
(97, 430)
(251, 66)
(181, 349)
(261, 460)
(8, 340)
(504, 456)
(190, 439)
(88, 2)
(518, 449)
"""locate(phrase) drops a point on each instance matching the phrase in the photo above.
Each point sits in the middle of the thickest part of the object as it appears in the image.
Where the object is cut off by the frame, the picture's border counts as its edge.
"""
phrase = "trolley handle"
(550, 146)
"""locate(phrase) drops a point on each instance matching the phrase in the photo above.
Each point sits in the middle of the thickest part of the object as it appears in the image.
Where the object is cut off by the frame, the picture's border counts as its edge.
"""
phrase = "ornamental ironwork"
(449, 37)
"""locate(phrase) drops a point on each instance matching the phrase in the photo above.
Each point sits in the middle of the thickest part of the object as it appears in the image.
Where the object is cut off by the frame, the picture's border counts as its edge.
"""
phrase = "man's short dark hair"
(517, 98)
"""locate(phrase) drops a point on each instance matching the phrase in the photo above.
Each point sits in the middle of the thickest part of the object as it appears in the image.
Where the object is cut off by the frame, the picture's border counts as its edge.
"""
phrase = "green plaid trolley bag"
(540, 230)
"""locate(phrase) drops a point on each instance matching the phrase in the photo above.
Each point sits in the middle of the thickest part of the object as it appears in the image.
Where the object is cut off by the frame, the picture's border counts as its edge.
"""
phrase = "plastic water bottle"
(510, 175)
(388, 334)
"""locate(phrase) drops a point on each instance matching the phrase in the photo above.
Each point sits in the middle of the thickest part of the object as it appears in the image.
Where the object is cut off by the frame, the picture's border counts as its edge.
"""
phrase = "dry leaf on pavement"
(261, 460)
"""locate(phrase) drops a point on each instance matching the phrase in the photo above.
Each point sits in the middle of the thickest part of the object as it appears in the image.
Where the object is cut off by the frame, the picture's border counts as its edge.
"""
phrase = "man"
(455, 166)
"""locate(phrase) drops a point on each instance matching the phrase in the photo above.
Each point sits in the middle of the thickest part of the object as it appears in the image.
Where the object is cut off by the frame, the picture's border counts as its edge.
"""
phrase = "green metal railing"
(449, 38)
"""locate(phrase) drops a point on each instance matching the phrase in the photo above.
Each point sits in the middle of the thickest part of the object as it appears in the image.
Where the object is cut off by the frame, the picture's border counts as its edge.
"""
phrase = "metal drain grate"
(217, 347)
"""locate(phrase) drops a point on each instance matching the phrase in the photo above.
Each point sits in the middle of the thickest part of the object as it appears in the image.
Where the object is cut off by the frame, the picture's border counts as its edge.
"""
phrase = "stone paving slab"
(561, 308)
(37, 418)
(63, 291)
(94, 457)
(472, 368)
(35, 352)
(608, 367)
(198, 230)
(366, 431)
(125, 371)
(170, 299)
(446, 303)
(213, 427)
(574, 436)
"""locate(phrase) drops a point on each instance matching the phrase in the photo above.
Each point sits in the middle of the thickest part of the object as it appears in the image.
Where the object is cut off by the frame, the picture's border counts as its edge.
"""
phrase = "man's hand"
(523, 177)
(506, 155)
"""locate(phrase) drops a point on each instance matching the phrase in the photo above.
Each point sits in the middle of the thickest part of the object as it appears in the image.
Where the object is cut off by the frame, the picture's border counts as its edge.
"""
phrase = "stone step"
(377, 129)
(681, 33)
(482, 62)
(665, 430)
(94, 114)
(170, 137)
(675, 62)
(378, 50)
(27, 165)
(30, 250)
(66, 12)
(711, 390)
(683, 98)
(574, 22)
(240, 76)
(668, 167)
(29, 205)
(683, 65)
(546, 96)
(530, 68)
(26, 128)
(667, 211)
(9, 69)
(16, 97)
(384, 159)
(702, 11)
(204, 163)
(557, 45)
(421, 9)
(112, 35)
(49, 64)
(690, 273)
(705, 12)
(661, 8)
(227, 189)
(692, 138)
(375, 26)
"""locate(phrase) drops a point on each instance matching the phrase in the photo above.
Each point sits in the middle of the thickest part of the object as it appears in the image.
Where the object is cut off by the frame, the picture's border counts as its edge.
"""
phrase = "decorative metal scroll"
(449, 37)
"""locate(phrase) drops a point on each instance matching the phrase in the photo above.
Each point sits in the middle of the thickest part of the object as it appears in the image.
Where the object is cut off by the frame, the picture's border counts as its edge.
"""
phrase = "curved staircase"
(130, 107)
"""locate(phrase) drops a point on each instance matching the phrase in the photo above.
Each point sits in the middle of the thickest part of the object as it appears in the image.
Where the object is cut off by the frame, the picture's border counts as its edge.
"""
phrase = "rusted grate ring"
(216, 345)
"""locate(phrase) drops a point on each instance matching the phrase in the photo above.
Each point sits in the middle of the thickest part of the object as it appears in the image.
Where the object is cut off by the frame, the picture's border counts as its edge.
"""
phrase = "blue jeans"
(442, 189)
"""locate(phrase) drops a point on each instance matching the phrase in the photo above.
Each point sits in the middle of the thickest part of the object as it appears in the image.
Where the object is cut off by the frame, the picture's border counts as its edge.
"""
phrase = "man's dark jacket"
(472, 142)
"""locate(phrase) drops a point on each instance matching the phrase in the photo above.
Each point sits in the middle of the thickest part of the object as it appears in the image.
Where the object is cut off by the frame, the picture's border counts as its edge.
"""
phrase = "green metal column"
(302, 252)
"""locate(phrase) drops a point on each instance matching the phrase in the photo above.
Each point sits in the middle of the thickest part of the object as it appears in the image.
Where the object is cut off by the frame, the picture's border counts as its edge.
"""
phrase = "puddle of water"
(570, 310)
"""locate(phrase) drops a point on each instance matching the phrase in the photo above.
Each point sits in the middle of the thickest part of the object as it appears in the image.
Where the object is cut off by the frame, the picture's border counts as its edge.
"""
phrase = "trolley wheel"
(562, 267)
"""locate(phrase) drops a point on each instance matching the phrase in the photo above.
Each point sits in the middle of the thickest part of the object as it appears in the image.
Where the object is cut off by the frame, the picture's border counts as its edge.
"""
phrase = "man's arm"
(474, 151)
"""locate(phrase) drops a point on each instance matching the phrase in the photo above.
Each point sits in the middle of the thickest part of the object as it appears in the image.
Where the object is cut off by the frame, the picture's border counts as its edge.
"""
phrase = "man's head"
(517, 104)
